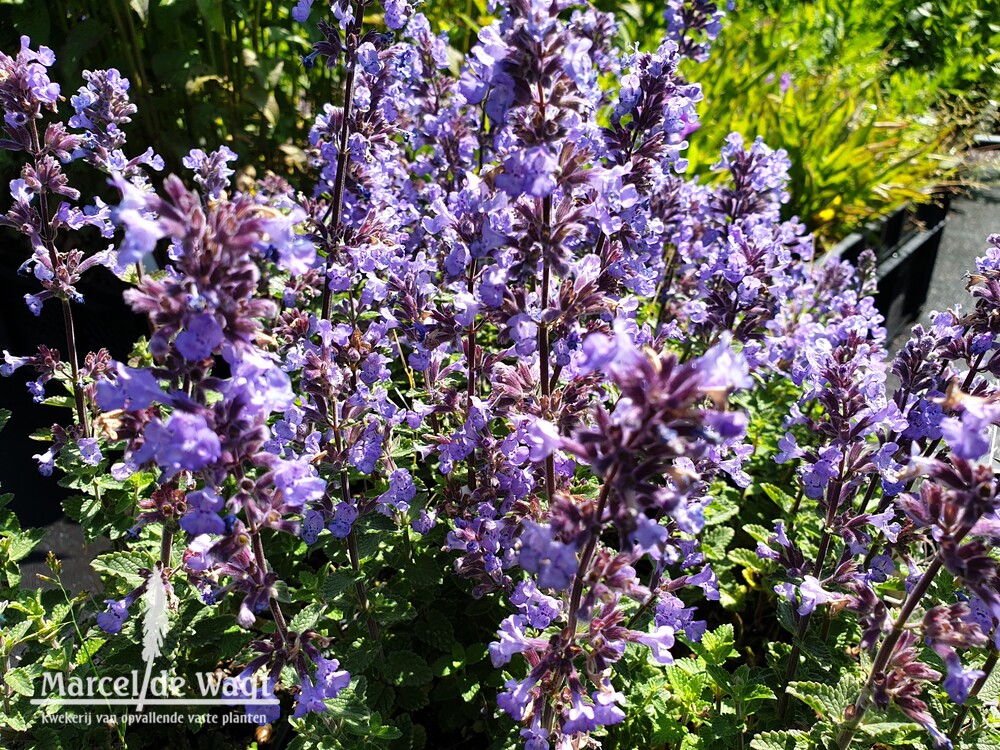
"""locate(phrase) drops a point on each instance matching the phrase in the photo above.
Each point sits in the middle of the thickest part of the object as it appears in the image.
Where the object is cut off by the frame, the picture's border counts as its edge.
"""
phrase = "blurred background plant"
(871, 100)
(868, 122)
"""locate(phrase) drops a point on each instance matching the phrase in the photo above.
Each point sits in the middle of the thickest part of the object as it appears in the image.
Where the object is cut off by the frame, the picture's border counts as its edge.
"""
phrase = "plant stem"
(352, 539)
(166, 546)
(332, 216)
(470, 357)
(258, 553)
(543, 345)
(863, 701)
(49, 241)
(569, 634)
(824, 548)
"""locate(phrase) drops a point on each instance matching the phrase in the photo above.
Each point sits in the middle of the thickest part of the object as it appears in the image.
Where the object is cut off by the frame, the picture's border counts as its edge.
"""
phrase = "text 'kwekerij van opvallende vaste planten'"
(493, 429)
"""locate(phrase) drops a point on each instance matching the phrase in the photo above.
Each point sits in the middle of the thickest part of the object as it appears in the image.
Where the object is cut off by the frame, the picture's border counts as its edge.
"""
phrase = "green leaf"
(88, 649)
(406, 668)
(827, 700)
(748, 559)
(339, 581)
(211, 12)
(307, 618)
(21, 544)
(781, 498)
(19, 681)
(991, 688)
(123, 565)
(791, 739)
(891, 732)
(716, 645)
(715, 539)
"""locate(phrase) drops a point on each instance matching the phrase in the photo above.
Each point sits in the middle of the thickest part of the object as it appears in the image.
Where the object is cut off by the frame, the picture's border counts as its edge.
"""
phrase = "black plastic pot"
(905, 243)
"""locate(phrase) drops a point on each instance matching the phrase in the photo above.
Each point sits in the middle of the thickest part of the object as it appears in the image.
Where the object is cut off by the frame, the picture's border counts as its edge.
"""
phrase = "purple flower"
(723, 369)
(141, 230)
(200, 337)
(959, 680)
(515, 699)
(90, 451)
(133, 389)
(12, 363)
(539, 609)
(554, 562)
(211, 170)
(401, 491)
(185, 442)
(812, 593)
(364, 454)
(528, 172)
(396, 12)
(298, 481)
(606, 710)
(330, 678)
(111, 621)
(301, 10)
(424, 522)
(203, 516)
(542, 438)
(788, 449)
(312, 524)
(579, 719)
(344, 516)
(660, 641)
(512, 640)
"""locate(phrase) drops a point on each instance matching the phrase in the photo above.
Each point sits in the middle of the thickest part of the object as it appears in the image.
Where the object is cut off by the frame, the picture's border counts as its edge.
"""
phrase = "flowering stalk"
(46, 237)
(856, 713)
(352, 539)
(543, 343)
(332, 218)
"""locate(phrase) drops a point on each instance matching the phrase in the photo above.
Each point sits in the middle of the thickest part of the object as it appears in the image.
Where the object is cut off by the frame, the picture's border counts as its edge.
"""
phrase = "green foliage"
(858, 146)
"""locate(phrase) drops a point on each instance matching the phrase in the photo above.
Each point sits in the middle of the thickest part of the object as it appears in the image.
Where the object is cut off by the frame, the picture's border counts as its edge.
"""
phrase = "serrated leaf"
(748, 559)
(758, 532)
(720, 510)
(715, 539)
(19, 681)
(791, 739)
(781, 498)
(21, 544)
(338, 581)
(307, 618)
(716, 645)
(890, 732)
(829, 701)
(991, 688)
(88, 649)
(123, 565)
(406, 668)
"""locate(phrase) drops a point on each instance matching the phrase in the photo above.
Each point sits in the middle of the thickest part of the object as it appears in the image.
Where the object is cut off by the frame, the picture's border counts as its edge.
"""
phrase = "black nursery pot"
(905, 243)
